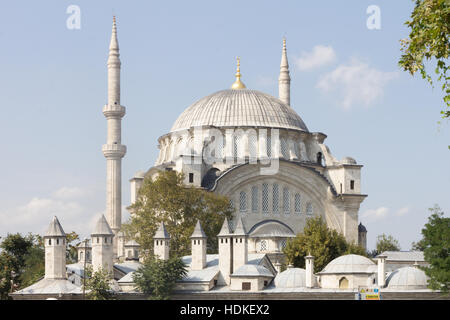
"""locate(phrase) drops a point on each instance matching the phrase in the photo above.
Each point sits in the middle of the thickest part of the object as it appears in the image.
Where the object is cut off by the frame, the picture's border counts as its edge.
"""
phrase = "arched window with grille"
(298, 203)
(242, 201)
(269, 146)
(254, 199)
(275, 199)
(263, 245)
(309, 209)
(252, 144)
(286, 201)
(284, 148)
(265, 198)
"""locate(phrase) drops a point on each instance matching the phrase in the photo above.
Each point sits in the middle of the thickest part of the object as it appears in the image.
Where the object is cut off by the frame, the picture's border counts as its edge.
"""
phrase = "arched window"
(275, 199)
(319, 158)
(297, 149)
(298, 203)
(263, 245)
(269, 146)
(252, 145)
(286, 201)
(242, 201)
(282, 244)
(265, 198)
(309, 209)
(343, 283)
(254, 199)
(284, 148)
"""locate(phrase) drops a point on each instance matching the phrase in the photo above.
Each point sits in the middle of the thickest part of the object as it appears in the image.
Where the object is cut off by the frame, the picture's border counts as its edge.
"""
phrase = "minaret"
(198, 255)
(55, 251)
(113, 150)
(161, 243)
(381, 270)
(284, 81)
(225, 253)
(102, 246)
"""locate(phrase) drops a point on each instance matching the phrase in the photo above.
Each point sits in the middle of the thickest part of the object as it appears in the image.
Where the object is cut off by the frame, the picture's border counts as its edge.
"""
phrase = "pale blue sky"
(53, 87)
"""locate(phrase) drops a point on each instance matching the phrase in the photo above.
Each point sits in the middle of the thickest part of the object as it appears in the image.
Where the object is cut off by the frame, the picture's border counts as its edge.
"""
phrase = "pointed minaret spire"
(284, 81)
(114, 150)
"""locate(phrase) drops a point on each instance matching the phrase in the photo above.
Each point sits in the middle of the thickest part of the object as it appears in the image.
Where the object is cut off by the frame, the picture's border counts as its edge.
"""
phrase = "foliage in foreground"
(98, 284)
(157, 278)
(321, 242)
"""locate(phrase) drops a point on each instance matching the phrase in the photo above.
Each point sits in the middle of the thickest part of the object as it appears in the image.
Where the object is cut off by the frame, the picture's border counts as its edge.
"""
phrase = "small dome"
(407, 278)
(239, 108)
(348, 160)
(271, 229)
(291, 278)
(350, 263)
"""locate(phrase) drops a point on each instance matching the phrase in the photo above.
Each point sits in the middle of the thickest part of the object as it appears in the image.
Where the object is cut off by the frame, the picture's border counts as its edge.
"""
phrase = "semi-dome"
(291, 278)
(407, 278)
(350, 263)
(239, 108)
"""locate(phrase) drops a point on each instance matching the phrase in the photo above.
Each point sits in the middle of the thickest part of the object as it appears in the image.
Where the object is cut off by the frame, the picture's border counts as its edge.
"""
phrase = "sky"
(345, 83)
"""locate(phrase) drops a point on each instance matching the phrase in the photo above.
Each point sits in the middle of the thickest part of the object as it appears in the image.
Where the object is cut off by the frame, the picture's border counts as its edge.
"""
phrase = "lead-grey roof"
(240, 228)
(161, 233)
(407, 278)
(102, 228)
(271, 229)
(51, 286)
(411, 256)
(291, 278)
(55, 229)
(245, 107)
(350, 263)
(198, 231)
(225, 230)
(252, 270)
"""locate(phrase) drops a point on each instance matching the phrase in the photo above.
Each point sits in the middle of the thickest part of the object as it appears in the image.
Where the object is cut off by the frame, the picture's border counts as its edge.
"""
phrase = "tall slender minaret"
(284, 80)
(113, 150)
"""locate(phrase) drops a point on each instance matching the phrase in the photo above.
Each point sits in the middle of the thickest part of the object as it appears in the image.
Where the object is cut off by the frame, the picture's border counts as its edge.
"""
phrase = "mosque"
(256, 150)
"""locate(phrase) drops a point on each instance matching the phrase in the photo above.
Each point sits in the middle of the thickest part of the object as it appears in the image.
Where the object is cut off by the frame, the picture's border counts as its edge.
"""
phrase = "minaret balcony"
(114, 150)
(113, 111)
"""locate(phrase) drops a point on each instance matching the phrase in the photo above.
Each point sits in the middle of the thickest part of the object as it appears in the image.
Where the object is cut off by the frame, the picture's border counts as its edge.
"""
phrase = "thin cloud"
(376, 214)
(403, 211)
(356, 82)
(319, 56)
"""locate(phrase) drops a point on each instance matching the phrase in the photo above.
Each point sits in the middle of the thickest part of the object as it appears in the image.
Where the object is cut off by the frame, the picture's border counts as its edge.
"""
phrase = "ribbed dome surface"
(242, 107)
(407, 278)
(350, 263)
(291, 278)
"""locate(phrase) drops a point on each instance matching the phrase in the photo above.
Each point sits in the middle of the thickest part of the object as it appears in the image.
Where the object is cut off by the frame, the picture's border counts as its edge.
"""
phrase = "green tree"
(387, 243)
(157, 278)
(71, 249)
(98, 284)
(321, 242)
(13, 257)
(167, 199)
(429, 39)
(34, 264)
(436, 248)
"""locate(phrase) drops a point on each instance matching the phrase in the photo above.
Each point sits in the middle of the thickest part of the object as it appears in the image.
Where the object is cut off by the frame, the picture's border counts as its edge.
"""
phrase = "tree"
(13, 261)
(157, 278)
(98, 284)
(387, 243)
(436, 248)
(428, 39)
(34, 264)
(167, 199)
(321, 242)
(71, 249)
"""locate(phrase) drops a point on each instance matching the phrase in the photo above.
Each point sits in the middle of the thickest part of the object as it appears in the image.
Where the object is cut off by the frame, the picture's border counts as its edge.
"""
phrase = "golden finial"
(114, 19)
(238, 83)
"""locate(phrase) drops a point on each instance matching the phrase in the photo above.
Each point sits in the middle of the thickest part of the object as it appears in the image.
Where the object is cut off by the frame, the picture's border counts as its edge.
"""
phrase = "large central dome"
(239, 108)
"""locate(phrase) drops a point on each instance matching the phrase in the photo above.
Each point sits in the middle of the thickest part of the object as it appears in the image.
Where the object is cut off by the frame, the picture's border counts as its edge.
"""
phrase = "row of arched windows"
(174, 147)
(280, 200)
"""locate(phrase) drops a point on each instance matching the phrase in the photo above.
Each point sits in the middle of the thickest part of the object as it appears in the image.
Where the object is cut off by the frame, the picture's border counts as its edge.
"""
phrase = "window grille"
(284, 148)
(242, 201)
(265, 198)
(254, 199)
(286, 201)
(263, 245)
(269, 146)
(309, 209)
(252, 145)
(275, 200)
(298, 203)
